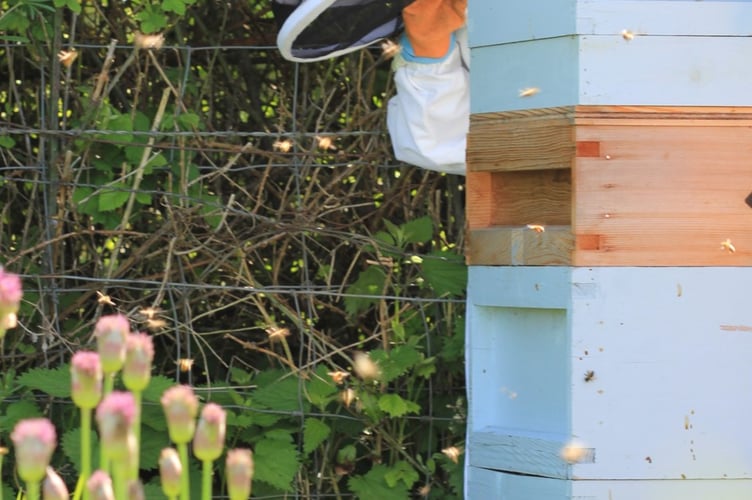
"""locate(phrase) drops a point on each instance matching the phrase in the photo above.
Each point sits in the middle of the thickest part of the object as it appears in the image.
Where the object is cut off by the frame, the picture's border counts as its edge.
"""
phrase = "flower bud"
(54, 487)
(239, 471)
(170, 470)
(180, 405)
(209, 440)
(10, 300)
(100, 486)
(115, 416)
(139, 354)
(111, 332)
(34, 440)
(86, 379)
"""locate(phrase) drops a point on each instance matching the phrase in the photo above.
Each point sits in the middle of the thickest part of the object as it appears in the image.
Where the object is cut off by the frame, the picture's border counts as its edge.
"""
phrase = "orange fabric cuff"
(430, 23)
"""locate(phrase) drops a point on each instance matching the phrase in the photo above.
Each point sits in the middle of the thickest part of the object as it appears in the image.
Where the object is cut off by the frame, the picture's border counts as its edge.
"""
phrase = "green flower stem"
(137, 396)
(206, 480)
(109, 384)
(32, 490)
(85, 450)
(120, 479)
(185, 483)
(2, 455)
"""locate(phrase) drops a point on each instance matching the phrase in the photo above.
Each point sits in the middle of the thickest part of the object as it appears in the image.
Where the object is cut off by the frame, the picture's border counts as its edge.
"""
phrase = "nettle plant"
(118, 413)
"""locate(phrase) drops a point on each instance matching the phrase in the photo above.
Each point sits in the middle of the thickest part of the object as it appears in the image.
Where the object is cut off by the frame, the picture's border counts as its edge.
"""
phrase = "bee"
(149, 41)
(283, 146)
(185, 364)
(727, 245)
(276, 332)
(589, 376)
(627, 35)
(66, 57)
(389, 49)
(338, 377)
(104, 299)
(537, 228)
(452, 453)
(529, 91)
(325, 143)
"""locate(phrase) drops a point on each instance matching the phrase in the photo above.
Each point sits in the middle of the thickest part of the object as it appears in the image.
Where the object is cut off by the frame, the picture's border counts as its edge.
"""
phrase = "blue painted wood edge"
(519, 452)
(540, 287)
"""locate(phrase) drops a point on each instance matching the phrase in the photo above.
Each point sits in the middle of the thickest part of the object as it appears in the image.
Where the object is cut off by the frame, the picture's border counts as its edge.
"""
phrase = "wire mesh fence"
(248, 212)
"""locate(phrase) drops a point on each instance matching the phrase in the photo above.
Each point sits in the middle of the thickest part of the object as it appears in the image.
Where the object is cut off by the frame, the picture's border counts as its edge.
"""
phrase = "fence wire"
(219, 196)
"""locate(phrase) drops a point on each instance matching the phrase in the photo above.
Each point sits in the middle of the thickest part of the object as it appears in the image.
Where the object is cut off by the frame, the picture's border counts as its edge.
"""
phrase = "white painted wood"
(484, 484)
(539, 287)
(670, 396)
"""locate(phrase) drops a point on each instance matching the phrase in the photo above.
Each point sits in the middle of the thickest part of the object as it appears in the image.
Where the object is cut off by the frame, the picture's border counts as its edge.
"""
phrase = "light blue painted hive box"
(610, 250)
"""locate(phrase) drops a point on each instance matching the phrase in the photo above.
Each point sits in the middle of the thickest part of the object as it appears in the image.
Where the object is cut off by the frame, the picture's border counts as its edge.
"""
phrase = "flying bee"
(589, 376)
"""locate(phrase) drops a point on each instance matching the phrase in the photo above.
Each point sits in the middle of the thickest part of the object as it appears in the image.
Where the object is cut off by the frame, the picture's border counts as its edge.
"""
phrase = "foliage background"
(256, 205)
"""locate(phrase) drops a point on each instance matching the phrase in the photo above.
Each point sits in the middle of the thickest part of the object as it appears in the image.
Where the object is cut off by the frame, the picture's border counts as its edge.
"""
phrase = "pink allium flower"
(239, 471)
(86, 379)
(34, 440)
(54, 487)
(115, 416)
(100, 486)
(111, 333)
(139, 354)
(180, 405)
(170, 470)
(10, 300)
(209, 440)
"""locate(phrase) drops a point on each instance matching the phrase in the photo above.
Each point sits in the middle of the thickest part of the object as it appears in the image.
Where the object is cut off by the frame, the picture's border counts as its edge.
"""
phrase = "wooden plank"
(669, 353)
(493, 22)
(664, 70)
(518, 451)
(500, 72)
(608, 70)
(541, 197)
(498, 142)
(489, 484)
(480, 201)
(520, 246)
(542, 287)
(662, 18)
(665, 195)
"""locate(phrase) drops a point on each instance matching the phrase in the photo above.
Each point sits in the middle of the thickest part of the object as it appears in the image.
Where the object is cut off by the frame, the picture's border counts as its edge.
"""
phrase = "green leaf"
(19, 410)
(373, 485)
(320, 389)
(445, 273)
(53, 381)
(71, 444)
(315, 432)
(151, 20)
(157, 385)
(418, 230)
(276, 460)
(6, 142)
(188, 120)
(176, 6)
(395, 362)
(280, 395)
(151, 446)
(113, 197)
(396, 406)
(370, 282)
(401, 471)
(152, 416)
